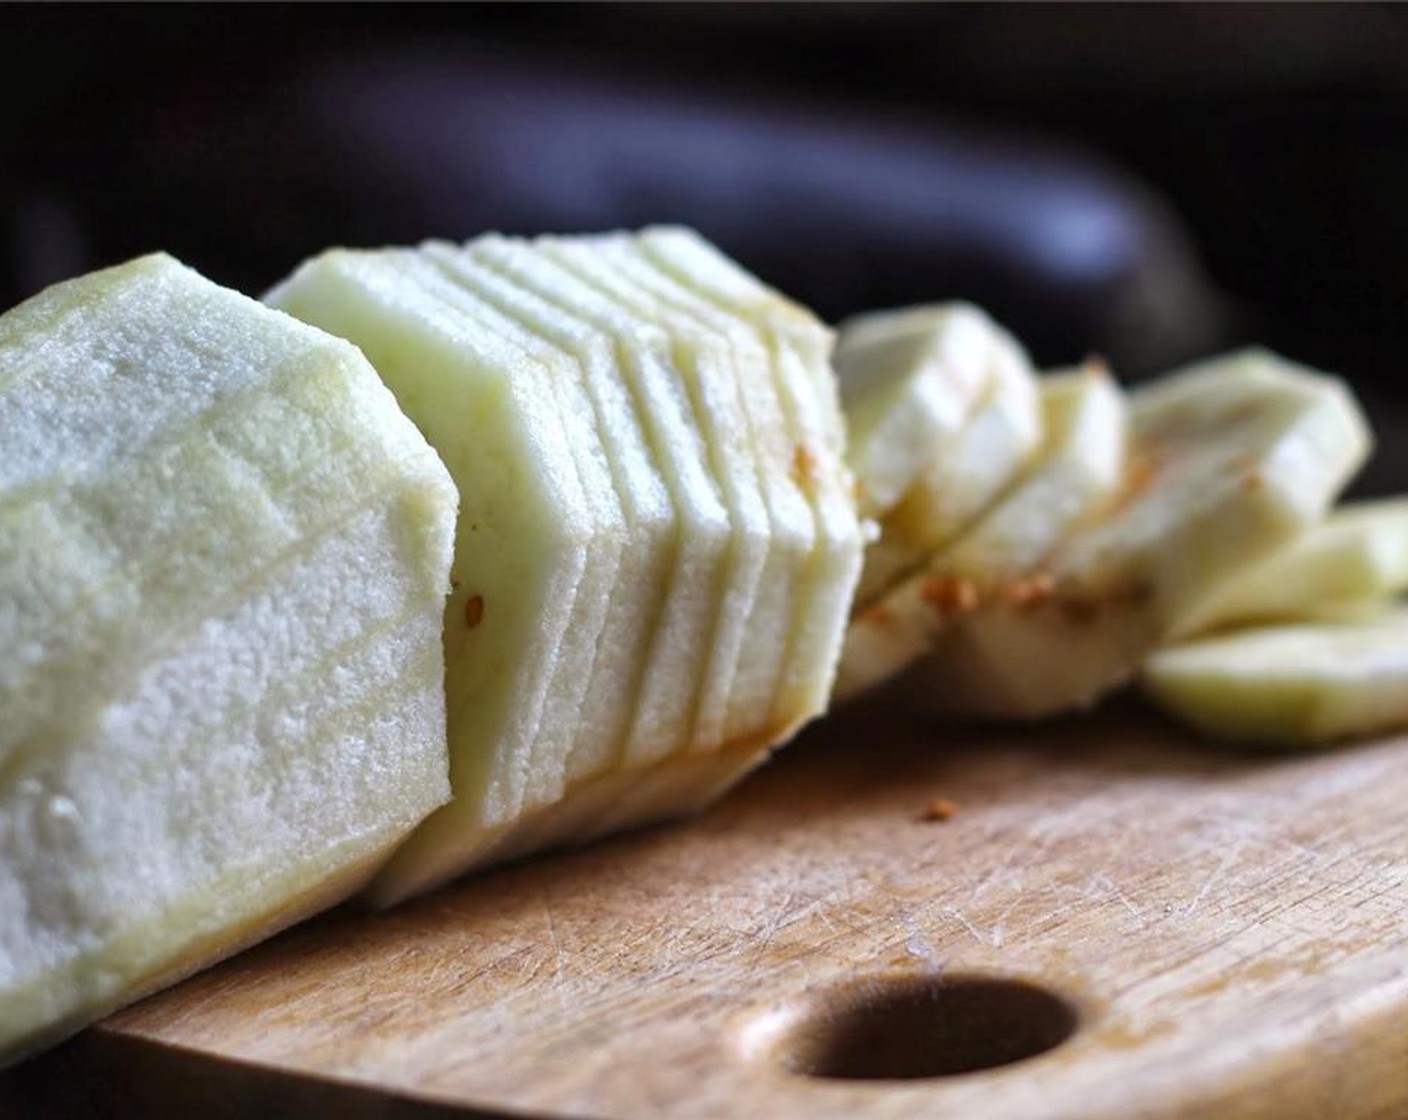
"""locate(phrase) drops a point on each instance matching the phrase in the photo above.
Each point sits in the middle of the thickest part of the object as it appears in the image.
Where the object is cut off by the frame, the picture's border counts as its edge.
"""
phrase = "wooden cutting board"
(1220, 936)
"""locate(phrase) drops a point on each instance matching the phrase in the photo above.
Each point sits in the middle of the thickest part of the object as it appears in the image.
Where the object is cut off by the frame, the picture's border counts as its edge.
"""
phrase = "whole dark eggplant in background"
(855, 155)
(844, 210)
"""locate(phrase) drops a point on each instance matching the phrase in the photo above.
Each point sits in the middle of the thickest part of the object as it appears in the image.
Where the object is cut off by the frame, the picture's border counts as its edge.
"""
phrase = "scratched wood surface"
(1231, 932)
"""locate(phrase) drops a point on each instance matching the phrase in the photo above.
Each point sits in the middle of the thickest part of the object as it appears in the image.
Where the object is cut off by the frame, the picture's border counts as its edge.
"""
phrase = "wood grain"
(1232, 933)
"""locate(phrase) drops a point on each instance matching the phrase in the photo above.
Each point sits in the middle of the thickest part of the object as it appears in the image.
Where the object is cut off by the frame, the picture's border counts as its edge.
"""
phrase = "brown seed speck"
(804, 468)
(940, 809)
(474, 611)
(949, 595)
(1253, 482)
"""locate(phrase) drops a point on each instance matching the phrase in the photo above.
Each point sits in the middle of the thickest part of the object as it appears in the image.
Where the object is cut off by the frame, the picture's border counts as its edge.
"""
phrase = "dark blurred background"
(1150, 183)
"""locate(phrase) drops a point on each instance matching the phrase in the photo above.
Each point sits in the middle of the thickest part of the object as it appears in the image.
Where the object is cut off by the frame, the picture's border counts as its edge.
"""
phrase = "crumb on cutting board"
(940, 809)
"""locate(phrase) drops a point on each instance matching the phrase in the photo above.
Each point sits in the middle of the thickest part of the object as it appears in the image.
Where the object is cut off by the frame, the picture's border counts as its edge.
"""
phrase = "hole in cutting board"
(916, 1027)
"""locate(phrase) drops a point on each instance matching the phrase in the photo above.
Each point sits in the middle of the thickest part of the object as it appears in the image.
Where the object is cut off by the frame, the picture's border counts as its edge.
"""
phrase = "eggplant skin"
(842, 210)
